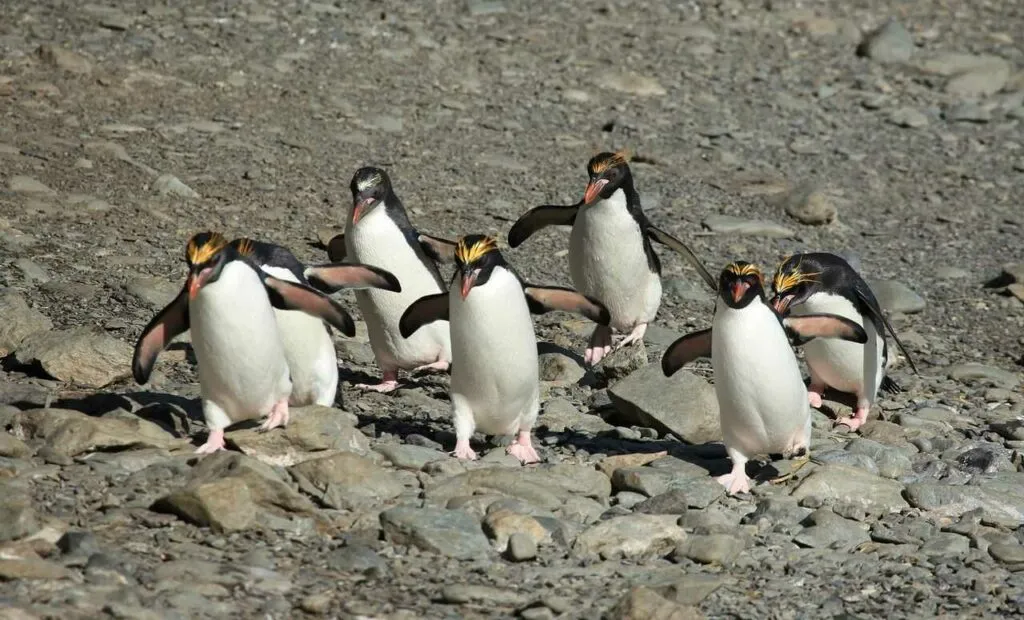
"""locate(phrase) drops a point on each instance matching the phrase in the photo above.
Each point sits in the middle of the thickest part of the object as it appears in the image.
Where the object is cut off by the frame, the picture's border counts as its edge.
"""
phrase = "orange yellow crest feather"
(785, 280)
(245, 246)
(617, 159)
(468, 254)
(199, 253)
(746, 269)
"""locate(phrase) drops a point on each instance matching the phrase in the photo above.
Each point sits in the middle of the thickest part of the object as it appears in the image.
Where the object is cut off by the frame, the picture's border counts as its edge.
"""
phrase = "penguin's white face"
(206, 257)
(608, 171)
(370, 187)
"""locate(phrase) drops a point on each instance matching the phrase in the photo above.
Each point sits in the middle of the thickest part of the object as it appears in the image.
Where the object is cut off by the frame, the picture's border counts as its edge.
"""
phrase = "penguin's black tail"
(890, 386)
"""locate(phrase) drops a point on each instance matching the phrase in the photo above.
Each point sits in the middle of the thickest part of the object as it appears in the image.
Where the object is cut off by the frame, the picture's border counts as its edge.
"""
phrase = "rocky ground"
(759, 128)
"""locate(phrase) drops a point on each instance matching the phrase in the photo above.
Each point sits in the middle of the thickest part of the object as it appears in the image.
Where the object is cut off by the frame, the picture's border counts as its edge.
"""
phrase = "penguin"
(761, 395)
(610, 253)
(308, 347)
(227, 303)
(495, 386)
(378, 233)
(819, 282)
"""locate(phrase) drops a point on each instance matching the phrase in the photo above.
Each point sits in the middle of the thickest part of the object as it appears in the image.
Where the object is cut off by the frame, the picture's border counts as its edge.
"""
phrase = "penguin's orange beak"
(739, 289)
(196, 281)
(593, 190)
(781, 303)
(360, 208)
(468, 282)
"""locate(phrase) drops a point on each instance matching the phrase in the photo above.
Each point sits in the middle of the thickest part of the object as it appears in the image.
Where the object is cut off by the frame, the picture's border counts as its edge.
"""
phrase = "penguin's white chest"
(761, 394)
(377, 240)
(242, 366)
(842, 365)
(607, 262)
(494, 352)
(308, 350)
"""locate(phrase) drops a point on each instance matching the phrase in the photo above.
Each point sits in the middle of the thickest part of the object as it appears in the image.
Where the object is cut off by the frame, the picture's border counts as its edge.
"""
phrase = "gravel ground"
(758, 129)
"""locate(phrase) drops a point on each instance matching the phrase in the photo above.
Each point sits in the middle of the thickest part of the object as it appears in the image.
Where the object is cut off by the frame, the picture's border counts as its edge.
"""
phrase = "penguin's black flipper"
(683, 250)
(810, 326)
(424, 310)
(289, 296)
(335, 276)
(685, 350)
(541, 299)
(438, 249)
(868, 298)
(541, 217)
(165, 326)
(336, 250)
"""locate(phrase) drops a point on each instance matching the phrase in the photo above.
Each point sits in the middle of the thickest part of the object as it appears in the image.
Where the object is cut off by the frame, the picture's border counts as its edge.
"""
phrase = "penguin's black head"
(206, 255)
(795, 280)
(370, 187)
(476, 256)
(608, 172)
(740, 283)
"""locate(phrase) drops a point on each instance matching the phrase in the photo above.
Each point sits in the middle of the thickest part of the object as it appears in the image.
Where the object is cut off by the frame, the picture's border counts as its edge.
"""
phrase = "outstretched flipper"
(872, 304)
(336, 250)
(685, 350)
(438, 249)
(424, 310)
(335, 276)
(541, 299)
(683, 250)
(541, 217)
(289, 296)
(165, 326)
(808, 326)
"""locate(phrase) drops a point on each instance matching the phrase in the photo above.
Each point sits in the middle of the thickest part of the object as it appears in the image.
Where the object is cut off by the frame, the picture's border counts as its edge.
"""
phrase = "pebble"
(1007, 553)
(20, 321)
(156, 292)
(808, 205)
(971, 372)
(347, 481)
(86, 356)
(719, 549)
(831, 531)
(357, 558)
(631, 83)
(968, 111)
(521, 547)
(478, 8)
(945, 500)
(451, 533)
(848, 484)
(465, 593)
(642, 603)
(27, 185)
(628, 536)
(908, 117)
(561, 367)
(983, 80)
(731, 225)
(683, 404)
(170, 185)
(404, 456)
(895, 296)
(63, 59)
(890, 43)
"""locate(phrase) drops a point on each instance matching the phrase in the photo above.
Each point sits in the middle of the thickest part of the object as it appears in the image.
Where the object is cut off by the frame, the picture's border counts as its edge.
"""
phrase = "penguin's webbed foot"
(388, 383)
(463, 451)
(636, 335)
(278, 416)
(600, 345)
(213, 443)
(522, 449)
(735, 481)
(860, 416)
(814, 397)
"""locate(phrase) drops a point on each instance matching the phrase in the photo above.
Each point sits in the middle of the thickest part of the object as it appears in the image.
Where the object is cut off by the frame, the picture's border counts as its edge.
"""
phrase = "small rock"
(560, 415)
(311, 430)
(170, 185)
(711, 548)
(560, 367)
(671, 502)
(20, 321)
(1007, 553)
(70, 433)
(521, 548)
(464, 593)
(86, 356)
(501, 525)
(27, 185)
(156, 292)
(980, 81)
(642, 603)
(971, 372)
(830, 531)
(908, 117)
(316, 604)
(546, 487)
(357, 559)
(632, 83)
(852, 485)
(623, 361)
(405, 456)
(890, 43)
(807, 205)
(64, 59)
(478, 8)
(895, 296)
(683, 404)
(633, 535)
(33, 568)
(952, 501)
(611, 463)
(730, 225)
(968, 111)
(946, 545)
(17, 516)
(347, 481)
(449, 532)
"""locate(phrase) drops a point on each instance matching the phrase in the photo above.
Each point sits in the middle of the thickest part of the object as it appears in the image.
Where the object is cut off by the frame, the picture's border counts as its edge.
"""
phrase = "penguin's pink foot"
(213, 443)
(735, 481)
(463, 451)
(388, 383)
(636, 335)
(859, 418)
(440, 366)
(522, 449)
(600, 345)
(278, 416)
(814, 394)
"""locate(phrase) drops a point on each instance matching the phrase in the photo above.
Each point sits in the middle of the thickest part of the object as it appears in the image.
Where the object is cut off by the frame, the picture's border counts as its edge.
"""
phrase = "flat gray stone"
(545, 486)
(830, 531)
(683, 404)
(952, 501)
(405, 456)
(946, 545)
(86, 356)
(970, 372)
(451, 533)
(908, 117)
(711, 548)
(629, 536)
(890, 43)
(347, 481)
(848, 484)
(731, 225)
(19, 321)
(895, 296)
(70, 433)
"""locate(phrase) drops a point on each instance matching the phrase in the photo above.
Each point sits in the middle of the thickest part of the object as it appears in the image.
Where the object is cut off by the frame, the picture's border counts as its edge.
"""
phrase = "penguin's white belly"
(308, 350)
(494, 353)
(242, 367)
(842, 365)
(378, 241)
(607, 262)
(761, 394)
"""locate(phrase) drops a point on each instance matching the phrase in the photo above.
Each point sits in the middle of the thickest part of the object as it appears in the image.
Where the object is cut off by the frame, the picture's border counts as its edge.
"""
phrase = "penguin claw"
(463, 451)
(278, 416)
(213, 443)
(522, 449)
(735, 482)
(439, 365)
(814, 394)
(383, 387)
